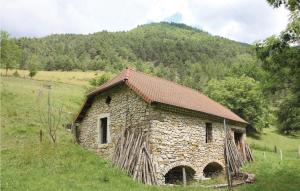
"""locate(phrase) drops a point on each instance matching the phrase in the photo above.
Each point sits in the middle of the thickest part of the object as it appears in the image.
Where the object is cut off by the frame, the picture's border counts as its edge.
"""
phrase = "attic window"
(208, 132)
(108, 100)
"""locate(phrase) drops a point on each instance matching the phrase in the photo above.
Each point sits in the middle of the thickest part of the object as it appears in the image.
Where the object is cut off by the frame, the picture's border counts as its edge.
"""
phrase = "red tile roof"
(157, 90)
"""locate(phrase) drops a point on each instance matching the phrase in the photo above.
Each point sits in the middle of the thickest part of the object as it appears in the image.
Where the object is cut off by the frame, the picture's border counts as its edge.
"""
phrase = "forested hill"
(175, 51)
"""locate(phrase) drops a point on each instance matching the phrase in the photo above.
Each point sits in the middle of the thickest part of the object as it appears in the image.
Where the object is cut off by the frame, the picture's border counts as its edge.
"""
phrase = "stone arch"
(173, 165)
(173, 173)
(213, 168)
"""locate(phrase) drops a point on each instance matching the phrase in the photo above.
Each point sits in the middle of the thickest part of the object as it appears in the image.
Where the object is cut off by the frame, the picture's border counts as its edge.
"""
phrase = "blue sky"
(176, 18)
(241, 20)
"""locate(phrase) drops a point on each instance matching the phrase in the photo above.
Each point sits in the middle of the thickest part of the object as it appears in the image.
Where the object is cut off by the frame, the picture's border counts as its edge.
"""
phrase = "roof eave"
(100, 90)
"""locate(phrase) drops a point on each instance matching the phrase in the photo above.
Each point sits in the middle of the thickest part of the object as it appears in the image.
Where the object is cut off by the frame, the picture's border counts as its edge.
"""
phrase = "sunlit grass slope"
(70, 77)
(27, 164)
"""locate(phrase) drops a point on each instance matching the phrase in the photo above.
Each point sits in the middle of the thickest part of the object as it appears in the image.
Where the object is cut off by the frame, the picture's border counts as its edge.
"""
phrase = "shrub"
(99, 80)
(16, 74)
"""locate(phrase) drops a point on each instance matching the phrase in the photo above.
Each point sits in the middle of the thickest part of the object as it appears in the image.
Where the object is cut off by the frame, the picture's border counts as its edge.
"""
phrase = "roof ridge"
(169, 81)
(127, 73)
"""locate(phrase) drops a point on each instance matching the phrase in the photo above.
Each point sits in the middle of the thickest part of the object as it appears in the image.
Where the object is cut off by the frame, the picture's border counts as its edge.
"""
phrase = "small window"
(108, 100)
(208, 132)
(103, 130)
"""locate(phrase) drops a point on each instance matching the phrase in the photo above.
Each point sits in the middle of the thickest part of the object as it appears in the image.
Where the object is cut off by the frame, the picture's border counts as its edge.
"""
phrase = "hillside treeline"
(174, 51)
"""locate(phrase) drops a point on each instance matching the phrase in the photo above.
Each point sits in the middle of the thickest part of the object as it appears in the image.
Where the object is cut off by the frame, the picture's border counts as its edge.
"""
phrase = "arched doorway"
(175, 175)
(213, 169)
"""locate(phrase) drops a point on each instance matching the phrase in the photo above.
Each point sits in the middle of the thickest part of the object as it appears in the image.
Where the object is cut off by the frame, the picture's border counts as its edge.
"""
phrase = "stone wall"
(176, 139)
(122, 100)
(179, 140)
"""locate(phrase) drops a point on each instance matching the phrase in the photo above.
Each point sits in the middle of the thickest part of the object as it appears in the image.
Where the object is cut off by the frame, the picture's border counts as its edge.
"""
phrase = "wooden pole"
(243, 146)
(184, 176)
(228, 175)
(41, 135)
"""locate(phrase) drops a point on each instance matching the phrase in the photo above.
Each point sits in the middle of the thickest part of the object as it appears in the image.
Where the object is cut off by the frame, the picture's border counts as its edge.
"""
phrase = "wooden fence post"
(41, 135)
(184, 176)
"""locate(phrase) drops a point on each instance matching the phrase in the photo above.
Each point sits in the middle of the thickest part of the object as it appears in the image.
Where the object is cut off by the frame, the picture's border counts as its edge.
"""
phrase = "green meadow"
(27, 164)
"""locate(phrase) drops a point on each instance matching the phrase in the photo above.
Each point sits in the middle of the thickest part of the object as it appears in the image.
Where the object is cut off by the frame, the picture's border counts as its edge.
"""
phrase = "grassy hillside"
(27, 164)
(271, 138)
(74, 77)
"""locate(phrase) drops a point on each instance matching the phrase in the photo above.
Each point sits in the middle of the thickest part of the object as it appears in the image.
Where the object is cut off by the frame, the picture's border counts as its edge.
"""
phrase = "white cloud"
(245, 20)
(242, 20)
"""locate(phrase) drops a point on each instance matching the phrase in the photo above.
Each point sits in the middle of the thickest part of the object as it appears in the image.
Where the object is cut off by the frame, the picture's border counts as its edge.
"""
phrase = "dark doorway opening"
(213, 169)
(175, 175)
(237, 137)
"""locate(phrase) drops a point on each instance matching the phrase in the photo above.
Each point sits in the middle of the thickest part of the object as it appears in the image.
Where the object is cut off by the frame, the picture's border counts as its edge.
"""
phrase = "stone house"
(185, 127)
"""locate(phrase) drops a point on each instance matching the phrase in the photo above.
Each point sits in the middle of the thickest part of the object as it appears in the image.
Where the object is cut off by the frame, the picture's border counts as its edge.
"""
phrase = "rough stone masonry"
(177, 136)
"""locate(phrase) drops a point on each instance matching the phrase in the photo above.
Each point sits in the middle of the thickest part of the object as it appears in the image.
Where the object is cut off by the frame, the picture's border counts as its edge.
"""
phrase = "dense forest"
(175, 51)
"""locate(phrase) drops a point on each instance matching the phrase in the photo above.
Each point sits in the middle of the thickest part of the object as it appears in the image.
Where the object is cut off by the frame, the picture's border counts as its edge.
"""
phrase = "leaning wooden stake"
(228, 174)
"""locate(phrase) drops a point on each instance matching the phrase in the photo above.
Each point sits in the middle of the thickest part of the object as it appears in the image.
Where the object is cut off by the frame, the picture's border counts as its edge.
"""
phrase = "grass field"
(74, 77)
(27, 164)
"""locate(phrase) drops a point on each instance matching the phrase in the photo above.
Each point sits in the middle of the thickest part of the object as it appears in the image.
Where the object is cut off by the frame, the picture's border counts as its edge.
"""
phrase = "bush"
(32, 66)
(99, 80)
(16, 74)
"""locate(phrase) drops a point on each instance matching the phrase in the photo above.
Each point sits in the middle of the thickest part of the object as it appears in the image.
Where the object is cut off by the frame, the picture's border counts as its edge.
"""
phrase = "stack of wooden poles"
(132, 155)
(234, 158)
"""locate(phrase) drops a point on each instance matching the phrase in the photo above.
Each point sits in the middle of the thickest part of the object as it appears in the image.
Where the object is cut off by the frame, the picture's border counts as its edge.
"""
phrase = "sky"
(240, 20)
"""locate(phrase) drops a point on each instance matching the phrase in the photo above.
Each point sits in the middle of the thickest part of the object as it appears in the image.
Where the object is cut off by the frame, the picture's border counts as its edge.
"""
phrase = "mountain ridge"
(174, 51)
